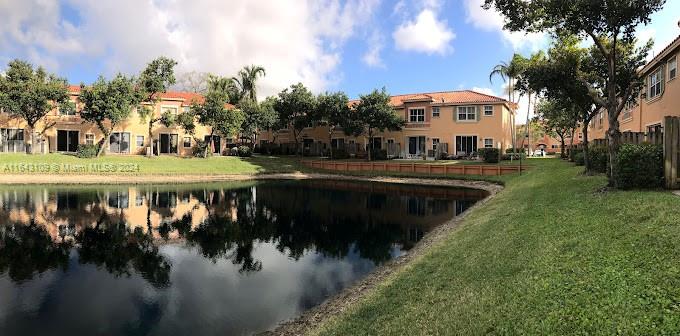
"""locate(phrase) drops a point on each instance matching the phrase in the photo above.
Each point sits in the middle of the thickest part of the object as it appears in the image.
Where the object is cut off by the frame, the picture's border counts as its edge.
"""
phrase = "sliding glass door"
(119, 143)
(416, 146)
(67, 141)
(168, 143)
(466, 144)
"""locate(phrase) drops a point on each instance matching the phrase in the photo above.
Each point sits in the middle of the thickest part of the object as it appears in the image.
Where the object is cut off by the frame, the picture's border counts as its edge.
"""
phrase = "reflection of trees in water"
(121, 251)
(27, 250)
(295, 218)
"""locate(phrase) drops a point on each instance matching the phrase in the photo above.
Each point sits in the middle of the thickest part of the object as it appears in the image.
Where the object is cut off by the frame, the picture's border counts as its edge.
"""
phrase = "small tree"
(610, 24)
(258, 117)
(373, 113)
(158, 76)
(31, 94)
(108, 103)
(332, 111)
(295, 107)
(558, 118)
(213, 112)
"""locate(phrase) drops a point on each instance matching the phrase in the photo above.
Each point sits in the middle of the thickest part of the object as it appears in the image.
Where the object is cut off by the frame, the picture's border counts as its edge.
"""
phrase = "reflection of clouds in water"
(25, 297)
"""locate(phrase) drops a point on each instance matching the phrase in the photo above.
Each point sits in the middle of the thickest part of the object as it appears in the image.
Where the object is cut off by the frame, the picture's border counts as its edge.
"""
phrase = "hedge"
(87, 151)
(640, 166)
(490, 155)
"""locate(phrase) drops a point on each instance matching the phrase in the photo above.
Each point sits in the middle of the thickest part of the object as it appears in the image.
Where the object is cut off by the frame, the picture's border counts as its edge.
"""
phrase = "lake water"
(217, 259)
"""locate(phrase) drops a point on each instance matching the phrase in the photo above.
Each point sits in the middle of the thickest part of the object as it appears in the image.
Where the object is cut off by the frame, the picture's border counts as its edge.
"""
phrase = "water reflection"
(289, 243)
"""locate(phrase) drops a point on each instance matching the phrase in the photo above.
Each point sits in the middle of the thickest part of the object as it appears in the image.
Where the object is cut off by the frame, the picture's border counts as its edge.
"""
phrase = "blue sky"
(355, 46)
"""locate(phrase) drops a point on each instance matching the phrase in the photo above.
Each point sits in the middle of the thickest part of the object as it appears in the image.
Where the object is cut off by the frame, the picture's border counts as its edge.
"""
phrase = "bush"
(490, 155)
(233, 151)
(244, 151)
(598, 159)
(378, 154)
(579, 159)
(640, 166)
(512, 150)
(87, 151)
(508, 157)
(340, 154)
(199, 149)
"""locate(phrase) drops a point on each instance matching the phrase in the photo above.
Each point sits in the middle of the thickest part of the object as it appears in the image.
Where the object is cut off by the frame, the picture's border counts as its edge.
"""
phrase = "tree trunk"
(527, 125)
(330, 141)
(209, 143)
(103, 142)
(571, 144)
(562, 146)
(614, 136)
(586, 159)
(32, 138)
(295, 138)
(151, 122)
(370, 144)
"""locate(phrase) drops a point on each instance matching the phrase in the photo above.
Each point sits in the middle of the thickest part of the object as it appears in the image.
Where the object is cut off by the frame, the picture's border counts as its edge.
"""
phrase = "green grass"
(169, 165)
(550, 254)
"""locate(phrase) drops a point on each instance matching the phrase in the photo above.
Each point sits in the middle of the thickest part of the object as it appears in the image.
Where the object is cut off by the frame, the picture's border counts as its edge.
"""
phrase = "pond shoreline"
(349, 296)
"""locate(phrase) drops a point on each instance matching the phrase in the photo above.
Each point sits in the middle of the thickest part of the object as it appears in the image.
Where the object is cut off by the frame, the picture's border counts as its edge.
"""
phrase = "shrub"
(490, 155)
(508, 157)
(378, 154)
(340, 154)
(244, 151)
(640, 166)
(579, 159)
(598, 159)
(199, 149)
(87, 151)
(233, 151)
(512, 150)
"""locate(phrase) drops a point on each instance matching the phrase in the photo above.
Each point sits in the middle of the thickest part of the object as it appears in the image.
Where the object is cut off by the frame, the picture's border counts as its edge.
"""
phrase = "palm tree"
(226, 85)
(246, 80)
(510, 72)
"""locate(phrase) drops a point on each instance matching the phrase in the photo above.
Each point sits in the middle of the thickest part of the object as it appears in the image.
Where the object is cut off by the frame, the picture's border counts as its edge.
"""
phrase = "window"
(488, 143)
(435, 112)
(601, 119)
(140, 141)
(119, 142)
(187, 142)
(672, 68)
(435, 143)
(169, 109)
(89, 139)
(488, 111)
(186, 109)
(416, 115)
(71, 111)
(467, 113)
(580, 135)
(655, 83)
(230, 141)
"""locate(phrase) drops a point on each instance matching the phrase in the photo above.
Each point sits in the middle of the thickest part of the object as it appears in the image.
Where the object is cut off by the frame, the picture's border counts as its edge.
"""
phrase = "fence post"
(668, 151)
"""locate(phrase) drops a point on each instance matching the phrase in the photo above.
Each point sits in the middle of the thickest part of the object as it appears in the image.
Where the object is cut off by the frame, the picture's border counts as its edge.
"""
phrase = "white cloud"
(492, 21)
(295, 40)
(484, 90)
(372, 56)
(425, 34)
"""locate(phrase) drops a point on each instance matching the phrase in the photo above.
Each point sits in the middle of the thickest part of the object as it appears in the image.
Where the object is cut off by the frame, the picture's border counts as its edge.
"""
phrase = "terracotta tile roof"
(445, 97)
(187, 98)
(662, 55)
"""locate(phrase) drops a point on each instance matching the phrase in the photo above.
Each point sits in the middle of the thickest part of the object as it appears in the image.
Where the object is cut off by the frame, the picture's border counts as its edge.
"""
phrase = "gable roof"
(445, 97)
(661, 57)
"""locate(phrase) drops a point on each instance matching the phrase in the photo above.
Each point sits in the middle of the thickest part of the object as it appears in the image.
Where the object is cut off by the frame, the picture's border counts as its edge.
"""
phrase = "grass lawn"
(550, 254)
(168, 165)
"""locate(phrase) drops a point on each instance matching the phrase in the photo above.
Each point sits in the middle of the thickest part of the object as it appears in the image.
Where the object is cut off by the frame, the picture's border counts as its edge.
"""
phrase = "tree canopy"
(295, 106)
(30, 94)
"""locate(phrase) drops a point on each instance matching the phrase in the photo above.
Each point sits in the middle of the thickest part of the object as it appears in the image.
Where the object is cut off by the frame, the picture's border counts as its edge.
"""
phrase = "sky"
(355, 46)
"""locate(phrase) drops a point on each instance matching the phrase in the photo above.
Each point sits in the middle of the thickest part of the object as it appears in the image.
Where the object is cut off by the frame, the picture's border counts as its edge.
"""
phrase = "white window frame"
(417, 116)
(655, 82)
(87, 140)
(137, 140)
(173, 107)
(672, 68)
(184, 142)
(466, 113)
(488, 146)
(436, 111)
(435, 142)
(487, 110)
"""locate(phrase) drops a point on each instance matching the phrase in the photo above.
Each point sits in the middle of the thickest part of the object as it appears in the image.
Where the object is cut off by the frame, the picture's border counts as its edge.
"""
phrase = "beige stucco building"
(460, 122)
(68, 130)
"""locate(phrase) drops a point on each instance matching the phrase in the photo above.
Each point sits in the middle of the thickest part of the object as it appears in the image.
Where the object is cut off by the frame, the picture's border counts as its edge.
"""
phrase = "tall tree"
(246, 81)
(108, 103)
(31, 94)
(373, 113)
(609, 24)
(156, 78)
(559, 118)
(510, 71)
(214, 113)
(258, 117)
(226, 85)
(332, 110)
(295, 107)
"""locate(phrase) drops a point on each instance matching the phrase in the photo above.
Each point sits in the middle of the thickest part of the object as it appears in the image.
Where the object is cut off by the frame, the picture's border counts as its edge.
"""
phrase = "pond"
(216, 259)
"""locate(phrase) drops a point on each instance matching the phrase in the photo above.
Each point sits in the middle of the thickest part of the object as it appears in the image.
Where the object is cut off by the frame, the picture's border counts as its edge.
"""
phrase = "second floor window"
(435, 112)
(171, 109)
(655, 82)
(488, 110)
(416, 115)
(68, 111)
(672, 68)
(467, 113)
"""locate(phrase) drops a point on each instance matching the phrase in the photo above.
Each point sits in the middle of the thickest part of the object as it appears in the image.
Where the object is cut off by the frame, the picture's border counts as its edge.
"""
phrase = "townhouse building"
(65, 131)
(660, 97)
(453, 122)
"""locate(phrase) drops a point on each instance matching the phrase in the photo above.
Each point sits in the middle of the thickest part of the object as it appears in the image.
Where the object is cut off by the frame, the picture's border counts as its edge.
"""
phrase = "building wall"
(135, 125)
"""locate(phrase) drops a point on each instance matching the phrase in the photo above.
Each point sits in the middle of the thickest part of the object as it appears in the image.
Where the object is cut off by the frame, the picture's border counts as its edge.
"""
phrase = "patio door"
(216, 143)
(119, 143)
(67, 141)
(169, 143)
(12, 140)
(416, 146)
(466, 144)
